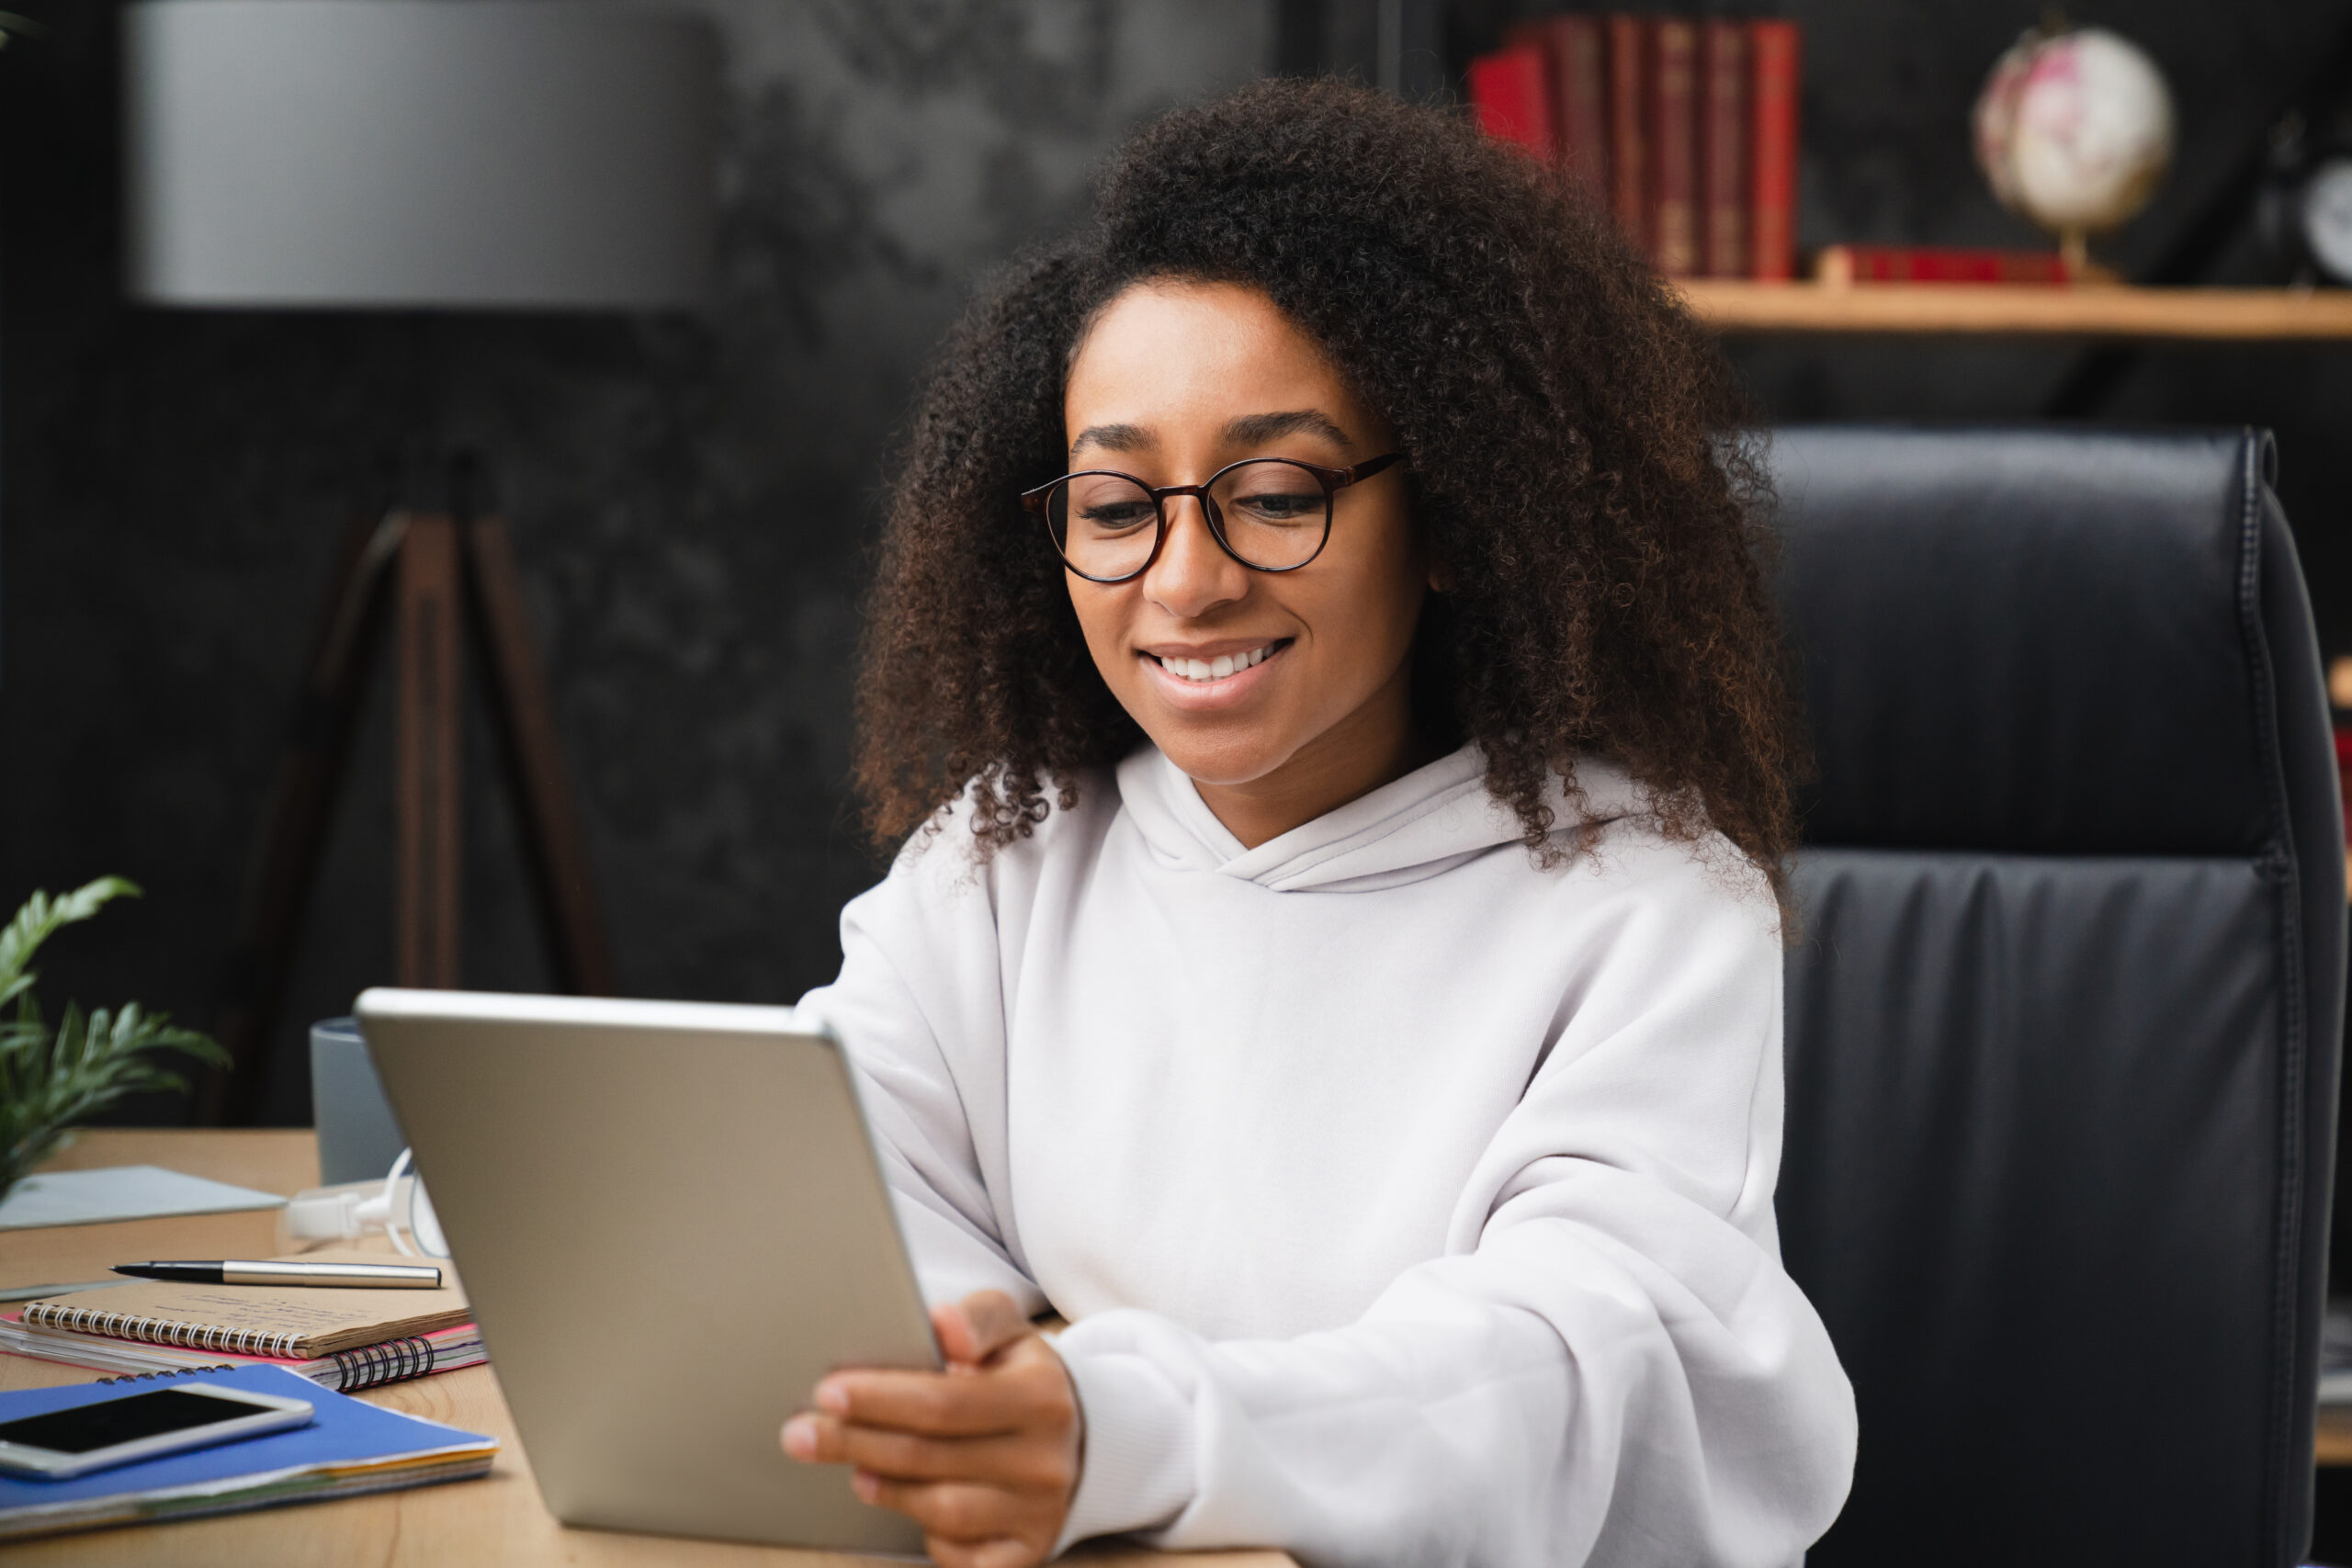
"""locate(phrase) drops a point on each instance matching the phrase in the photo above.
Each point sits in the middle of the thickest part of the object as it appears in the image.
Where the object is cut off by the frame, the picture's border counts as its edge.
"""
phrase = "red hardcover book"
(2344, 776)
(1722, 148)
(1511, 92)
(1674, 150)
(1573, 50)
(1531, 36)
(1772, 147)
(1936, 263)
(1629, 165)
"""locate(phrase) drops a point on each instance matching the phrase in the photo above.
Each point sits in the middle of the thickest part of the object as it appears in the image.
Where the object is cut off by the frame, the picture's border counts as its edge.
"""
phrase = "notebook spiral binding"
(182, 1372)
(371, 1366)
(161, 1330)
(395, 1361)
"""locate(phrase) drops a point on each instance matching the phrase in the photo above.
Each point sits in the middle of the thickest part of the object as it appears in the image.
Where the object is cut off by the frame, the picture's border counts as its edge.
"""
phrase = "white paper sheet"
(121, 1192)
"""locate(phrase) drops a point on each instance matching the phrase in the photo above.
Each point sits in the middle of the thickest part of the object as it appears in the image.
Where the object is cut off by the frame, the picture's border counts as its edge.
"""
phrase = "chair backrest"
(2063, 1027)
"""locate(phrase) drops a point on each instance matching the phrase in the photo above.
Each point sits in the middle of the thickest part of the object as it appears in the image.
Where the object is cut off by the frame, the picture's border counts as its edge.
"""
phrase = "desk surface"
(496, 1520)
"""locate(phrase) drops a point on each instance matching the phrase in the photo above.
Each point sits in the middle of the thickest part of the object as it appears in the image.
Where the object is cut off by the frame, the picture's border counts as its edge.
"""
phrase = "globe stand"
(2075, 250)
(2074, 255)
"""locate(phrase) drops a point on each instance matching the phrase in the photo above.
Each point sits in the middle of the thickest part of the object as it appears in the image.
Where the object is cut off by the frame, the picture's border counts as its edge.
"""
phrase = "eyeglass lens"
(1272, 514)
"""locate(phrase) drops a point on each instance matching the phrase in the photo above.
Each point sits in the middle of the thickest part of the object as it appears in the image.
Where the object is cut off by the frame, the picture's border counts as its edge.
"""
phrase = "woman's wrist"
(1135, 1446)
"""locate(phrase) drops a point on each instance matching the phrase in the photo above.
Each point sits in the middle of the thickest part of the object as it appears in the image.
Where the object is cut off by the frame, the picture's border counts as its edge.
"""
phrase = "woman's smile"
(1212, 676)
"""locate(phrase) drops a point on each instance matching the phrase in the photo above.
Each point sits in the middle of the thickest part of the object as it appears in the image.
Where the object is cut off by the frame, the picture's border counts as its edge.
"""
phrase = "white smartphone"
(59, 1444)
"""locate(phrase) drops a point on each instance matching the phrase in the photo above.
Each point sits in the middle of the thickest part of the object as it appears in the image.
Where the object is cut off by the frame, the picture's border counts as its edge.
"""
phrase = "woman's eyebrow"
(1115, 438)
(1251, 429)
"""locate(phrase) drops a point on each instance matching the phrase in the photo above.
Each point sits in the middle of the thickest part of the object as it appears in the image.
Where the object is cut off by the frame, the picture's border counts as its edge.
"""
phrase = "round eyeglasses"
(1269, 514)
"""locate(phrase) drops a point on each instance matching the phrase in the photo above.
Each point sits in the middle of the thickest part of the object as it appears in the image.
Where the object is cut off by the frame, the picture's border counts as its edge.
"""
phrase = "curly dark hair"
(1574, 458)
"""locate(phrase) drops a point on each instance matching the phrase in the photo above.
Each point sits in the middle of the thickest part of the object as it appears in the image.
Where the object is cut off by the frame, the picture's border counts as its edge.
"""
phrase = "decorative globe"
(2074, 131)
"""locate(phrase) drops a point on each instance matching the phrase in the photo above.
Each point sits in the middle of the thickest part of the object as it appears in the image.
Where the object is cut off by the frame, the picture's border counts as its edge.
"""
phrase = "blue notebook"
(352, 1447)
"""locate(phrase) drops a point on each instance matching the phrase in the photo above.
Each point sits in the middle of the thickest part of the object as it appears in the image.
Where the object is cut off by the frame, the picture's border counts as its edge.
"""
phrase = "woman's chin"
(1221, 761)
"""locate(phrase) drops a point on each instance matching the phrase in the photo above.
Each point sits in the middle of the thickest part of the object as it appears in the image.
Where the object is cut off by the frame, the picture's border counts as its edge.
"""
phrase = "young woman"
(1321, 662)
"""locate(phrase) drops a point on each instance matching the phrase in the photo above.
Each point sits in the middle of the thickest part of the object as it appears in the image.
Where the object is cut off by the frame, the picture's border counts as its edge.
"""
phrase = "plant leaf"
(40, 919)
(51, 1079)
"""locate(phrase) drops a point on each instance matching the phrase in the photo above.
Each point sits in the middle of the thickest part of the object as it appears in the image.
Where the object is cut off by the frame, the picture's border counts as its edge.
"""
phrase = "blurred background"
(693, 496)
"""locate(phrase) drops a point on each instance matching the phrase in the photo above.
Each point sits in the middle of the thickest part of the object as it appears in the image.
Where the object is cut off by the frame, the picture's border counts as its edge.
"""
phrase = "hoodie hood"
(1427, 822)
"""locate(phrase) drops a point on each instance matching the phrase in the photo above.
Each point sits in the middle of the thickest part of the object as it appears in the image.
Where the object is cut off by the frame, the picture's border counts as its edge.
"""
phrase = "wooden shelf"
(2333, 1446)
(2024, 309)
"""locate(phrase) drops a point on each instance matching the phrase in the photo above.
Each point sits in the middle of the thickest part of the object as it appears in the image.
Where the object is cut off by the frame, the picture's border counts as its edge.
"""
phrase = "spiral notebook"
(298, 1324)
(347, 1371)
(340, 1339)
(349, 1448)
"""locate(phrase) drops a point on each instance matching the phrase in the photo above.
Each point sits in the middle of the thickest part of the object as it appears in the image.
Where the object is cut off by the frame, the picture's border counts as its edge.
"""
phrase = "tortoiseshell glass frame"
(1332, 480)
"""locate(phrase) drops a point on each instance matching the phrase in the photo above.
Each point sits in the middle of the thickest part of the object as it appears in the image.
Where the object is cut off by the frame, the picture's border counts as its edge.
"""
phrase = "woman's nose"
(1193, 575)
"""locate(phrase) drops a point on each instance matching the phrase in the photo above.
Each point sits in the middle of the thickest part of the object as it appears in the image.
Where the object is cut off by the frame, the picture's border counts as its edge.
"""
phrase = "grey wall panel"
(390, 153)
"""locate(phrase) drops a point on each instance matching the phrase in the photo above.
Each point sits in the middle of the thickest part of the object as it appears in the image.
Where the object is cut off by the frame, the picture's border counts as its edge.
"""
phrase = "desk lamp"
(415, 156)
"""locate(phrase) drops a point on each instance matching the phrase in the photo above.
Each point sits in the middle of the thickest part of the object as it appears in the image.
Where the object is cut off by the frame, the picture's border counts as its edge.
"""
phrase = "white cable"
(336, 1216)
(391, 1226)
(424, 1225)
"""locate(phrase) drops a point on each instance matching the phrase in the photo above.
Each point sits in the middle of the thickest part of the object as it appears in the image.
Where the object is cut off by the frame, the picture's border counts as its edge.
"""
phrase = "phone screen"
(88, 1427)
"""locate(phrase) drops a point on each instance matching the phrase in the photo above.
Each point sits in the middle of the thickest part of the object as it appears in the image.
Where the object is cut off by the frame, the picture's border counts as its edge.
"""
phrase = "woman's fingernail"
(833, 1397)
(864, 1484)
(800, 1438)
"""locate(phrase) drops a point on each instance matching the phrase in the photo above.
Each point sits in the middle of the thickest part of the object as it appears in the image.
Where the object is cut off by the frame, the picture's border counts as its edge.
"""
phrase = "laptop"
(671, 1223)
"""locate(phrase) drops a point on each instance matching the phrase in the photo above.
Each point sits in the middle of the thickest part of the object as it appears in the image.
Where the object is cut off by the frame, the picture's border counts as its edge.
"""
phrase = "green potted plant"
(53, 1077)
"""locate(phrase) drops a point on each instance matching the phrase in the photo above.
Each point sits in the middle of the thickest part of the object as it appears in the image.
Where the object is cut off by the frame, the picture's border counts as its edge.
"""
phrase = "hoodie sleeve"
(918, 1004)
(1608, 1366)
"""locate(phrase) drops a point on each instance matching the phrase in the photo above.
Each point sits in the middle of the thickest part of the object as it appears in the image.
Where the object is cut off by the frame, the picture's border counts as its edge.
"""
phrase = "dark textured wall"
(691, 500)
(692, 497)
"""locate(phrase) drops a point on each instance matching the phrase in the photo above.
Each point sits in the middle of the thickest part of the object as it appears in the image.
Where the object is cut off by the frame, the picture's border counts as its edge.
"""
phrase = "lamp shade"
(548, 154)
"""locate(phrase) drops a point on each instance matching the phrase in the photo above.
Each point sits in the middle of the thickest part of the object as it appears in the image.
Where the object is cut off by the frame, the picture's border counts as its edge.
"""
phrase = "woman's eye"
(1112, 517)
(1278, 506)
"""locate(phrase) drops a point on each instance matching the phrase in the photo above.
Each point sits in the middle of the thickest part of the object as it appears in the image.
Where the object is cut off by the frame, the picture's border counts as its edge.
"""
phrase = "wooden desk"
(495, 1520)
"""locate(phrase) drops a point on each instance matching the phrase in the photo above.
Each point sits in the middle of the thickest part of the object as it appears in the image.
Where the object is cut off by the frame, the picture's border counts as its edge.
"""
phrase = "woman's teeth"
(1215, 669)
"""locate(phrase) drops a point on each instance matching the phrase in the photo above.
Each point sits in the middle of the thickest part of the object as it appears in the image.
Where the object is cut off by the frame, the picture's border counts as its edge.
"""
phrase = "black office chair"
(2063, 1032)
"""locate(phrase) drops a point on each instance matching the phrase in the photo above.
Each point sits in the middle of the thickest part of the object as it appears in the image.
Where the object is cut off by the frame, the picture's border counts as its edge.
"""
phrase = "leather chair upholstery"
(2064, 1026)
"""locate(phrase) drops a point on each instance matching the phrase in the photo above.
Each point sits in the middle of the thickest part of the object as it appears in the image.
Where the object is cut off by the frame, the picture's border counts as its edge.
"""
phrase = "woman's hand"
(984, 1455)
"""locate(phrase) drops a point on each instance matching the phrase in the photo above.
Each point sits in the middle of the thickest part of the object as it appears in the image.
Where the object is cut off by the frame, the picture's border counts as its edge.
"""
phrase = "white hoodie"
(1410, 1204)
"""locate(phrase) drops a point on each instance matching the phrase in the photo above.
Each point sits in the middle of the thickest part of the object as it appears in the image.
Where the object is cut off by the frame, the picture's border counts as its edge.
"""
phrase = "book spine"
(1534, 37)
(1674, 213)
(1773, 84)
(161, 1330)
(1579, 67)
(1937, 264)
(1629, 175)
(1512, 98)
(1723, 147)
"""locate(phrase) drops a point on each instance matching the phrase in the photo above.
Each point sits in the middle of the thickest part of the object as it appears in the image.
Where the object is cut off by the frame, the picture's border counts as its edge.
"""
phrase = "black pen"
(264, 1271)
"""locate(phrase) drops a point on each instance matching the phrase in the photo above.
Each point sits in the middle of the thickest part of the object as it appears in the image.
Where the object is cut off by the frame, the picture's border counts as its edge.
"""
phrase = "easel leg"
(448, 578)
(427, 837)
(523, 720)
(294, 820)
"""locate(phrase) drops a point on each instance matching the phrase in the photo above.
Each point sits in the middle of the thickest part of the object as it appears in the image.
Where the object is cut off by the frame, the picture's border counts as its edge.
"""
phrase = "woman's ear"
(1440, 577)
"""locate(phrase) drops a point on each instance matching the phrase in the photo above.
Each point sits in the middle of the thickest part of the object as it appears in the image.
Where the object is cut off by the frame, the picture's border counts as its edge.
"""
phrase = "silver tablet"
(671, 1223)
